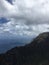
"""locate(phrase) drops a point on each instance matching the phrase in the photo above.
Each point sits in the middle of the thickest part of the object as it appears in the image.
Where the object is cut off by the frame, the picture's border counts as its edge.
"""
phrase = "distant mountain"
(35, 53)
(8, 41)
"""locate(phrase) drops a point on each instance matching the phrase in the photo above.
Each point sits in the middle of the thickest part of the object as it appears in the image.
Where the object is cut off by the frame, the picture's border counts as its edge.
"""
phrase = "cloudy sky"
(24, 17)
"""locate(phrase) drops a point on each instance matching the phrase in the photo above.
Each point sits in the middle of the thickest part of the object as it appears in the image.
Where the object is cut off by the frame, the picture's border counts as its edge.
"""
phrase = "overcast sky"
(24, 17)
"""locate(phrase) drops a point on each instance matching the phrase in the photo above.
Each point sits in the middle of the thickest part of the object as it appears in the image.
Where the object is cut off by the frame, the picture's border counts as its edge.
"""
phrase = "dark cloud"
(10, 1)
(3, 20)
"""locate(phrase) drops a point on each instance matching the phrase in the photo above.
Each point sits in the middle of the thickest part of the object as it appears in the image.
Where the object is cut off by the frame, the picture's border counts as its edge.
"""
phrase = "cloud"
(15, 28)
(34, 11)
(10, 1)
(26, 17)
(6, 9)
(3, 20)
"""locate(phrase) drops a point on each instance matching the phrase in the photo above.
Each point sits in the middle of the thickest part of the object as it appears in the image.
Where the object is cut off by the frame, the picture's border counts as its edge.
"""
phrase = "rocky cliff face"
(35, 53)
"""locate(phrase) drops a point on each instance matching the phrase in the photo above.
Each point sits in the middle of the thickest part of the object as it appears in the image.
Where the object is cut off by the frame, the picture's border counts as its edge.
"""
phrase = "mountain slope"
(35, 53)
(41, 40)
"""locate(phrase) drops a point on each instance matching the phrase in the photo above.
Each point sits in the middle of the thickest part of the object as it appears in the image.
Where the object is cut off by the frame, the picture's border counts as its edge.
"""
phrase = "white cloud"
(6, 9)
(22, 29)
(36, 11)
(25, 16)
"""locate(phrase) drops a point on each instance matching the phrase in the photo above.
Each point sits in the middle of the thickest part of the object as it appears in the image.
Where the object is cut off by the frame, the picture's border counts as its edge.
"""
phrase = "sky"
(21, 21)
(24, 17)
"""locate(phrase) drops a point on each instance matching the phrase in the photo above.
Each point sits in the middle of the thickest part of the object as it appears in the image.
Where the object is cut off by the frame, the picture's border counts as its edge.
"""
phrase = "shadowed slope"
(35, 53)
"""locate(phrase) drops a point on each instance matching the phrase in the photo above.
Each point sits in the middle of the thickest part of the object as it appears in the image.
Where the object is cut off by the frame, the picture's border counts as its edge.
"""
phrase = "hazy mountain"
(35, 53)
(8, 41)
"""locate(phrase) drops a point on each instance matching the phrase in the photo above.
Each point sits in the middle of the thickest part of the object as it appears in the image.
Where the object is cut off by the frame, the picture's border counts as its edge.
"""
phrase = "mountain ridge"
(35, 53)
